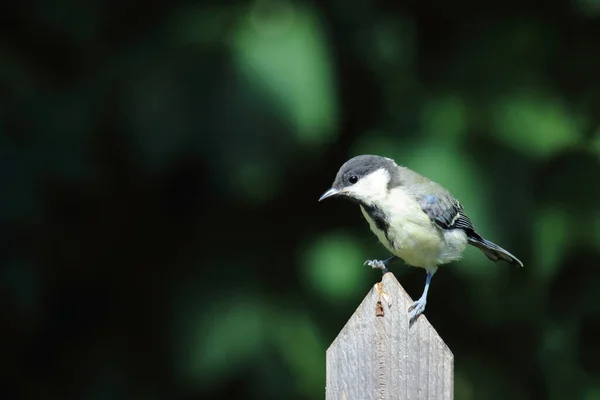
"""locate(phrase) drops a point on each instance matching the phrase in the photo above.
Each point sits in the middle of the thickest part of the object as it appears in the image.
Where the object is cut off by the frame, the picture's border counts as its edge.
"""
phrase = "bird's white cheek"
(371, 188)
(366, 196)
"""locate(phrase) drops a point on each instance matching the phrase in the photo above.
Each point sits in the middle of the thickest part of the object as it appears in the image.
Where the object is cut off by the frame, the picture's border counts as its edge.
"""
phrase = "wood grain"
(377, 356)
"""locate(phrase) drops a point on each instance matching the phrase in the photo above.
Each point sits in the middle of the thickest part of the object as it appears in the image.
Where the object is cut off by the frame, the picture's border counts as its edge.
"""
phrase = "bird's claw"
(415, 310)
(376, 264)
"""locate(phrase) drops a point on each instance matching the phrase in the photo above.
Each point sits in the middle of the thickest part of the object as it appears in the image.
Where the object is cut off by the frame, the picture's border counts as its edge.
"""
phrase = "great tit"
(415, 218)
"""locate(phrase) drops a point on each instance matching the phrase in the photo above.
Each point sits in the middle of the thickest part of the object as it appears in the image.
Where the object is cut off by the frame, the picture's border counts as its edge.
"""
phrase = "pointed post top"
(377, 356)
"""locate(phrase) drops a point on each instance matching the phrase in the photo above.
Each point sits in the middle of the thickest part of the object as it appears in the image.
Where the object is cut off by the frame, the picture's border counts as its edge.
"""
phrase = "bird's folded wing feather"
(448, 214)
(442, 208)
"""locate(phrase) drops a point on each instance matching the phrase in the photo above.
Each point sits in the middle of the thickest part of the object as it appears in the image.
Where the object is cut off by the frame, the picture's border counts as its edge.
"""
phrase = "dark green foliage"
(161, 164)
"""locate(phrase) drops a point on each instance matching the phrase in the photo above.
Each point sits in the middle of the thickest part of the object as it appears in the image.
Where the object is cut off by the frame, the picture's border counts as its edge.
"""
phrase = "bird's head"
(364, 179)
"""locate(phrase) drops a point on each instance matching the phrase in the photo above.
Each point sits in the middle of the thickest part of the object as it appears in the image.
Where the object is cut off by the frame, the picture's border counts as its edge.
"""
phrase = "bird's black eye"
(353, 179)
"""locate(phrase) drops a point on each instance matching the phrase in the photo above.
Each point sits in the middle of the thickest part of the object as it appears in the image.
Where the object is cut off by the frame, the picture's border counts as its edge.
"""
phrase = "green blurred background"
(162, 161)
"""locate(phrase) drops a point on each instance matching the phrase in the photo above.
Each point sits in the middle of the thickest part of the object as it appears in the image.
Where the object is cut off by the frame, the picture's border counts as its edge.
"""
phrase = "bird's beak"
(330, 193)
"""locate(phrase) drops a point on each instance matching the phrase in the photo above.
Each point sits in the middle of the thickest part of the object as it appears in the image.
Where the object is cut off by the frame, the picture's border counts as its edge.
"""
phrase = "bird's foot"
(381, 264)
(416, 309)
(377, 264)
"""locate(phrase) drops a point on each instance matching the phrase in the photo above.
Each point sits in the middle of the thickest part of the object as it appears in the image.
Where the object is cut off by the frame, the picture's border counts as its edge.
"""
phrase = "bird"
(415, 219)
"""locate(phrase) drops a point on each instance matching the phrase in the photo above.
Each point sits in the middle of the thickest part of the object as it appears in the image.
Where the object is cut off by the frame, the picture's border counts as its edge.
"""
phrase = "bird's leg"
(418, 306)
(380, 264)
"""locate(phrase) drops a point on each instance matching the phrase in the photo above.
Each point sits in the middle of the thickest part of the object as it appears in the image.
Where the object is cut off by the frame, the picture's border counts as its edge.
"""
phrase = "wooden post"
(377, 356)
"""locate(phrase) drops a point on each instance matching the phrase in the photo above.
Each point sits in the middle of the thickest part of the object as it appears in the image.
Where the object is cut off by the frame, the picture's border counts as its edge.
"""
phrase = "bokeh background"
(161, 164)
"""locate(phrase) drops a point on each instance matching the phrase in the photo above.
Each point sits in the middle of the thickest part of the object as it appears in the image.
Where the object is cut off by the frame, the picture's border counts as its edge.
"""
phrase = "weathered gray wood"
(377, 356)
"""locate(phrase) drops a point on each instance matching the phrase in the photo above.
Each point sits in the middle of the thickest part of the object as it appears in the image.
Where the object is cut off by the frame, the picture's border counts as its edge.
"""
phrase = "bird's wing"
(442, 208)
(447, 213)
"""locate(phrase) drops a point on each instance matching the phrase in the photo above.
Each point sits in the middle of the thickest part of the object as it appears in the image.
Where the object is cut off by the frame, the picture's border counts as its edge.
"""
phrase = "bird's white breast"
(412, 236)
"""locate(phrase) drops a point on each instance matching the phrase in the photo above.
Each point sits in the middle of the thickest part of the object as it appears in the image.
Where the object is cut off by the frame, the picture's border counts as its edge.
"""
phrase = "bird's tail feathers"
(493, 251)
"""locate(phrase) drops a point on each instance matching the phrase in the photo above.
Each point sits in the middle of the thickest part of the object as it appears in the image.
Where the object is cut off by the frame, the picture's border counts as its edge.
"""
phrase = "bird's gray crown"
(361, 166)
